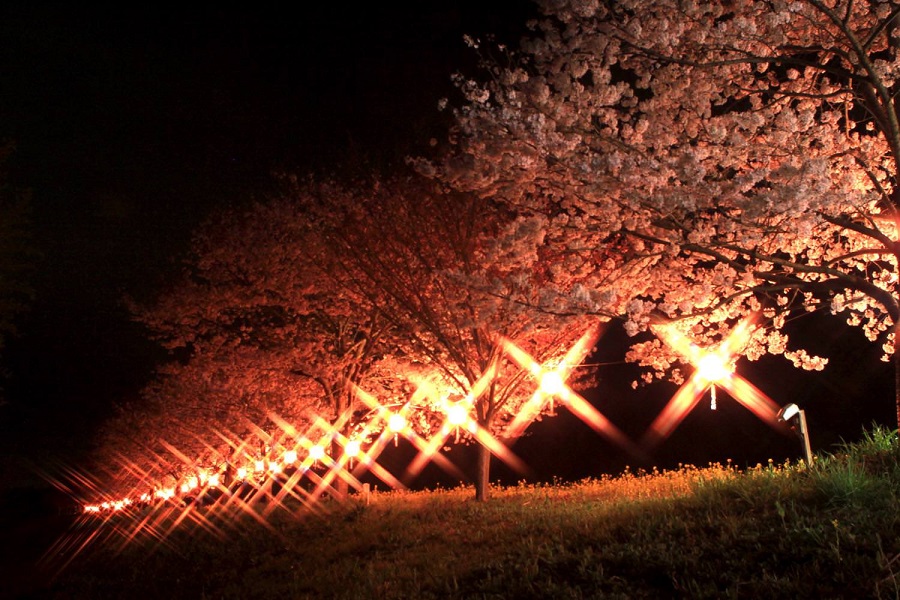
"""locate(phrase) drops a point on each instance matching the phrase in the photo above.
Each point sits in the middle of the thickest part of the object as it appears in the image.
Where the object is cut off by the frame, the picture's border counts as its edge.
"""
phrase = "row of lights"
(204, 480)
(456, 415)
(713, 366)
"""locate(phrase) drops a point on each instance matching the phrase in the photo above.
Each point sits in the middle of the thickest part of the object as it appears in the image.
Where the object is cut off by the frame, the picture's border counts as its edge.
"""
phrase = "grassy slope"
(776, 531)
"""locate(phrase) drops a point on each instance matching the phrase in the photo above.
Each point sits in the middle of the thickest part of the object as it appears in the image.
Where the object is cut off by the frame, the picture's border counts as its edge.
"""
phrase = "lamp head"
(788, 412)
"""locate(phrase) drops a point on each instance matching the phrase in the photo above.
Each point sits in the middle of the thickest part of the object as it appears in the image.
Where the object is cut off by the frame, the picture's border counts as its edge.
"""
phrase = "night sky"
(133, 123)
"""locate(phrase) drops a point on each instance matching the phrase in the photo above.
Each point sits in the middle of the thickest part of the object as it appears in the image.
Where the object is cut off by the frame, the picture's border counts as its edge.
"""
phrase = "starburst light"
(712, 367)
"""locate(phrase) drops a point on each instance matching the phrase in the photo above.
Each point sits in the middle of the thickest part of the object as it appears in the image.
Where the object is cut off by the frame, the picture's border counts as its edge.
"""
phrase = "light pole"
(791, 411)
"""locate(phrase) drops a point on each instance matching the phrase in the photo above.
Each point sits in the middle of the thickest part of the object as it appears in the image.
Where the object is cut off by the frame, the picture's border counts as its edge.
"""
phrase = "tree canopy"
(304, 306)
(434, 265)
(262, 329)
(701, 161)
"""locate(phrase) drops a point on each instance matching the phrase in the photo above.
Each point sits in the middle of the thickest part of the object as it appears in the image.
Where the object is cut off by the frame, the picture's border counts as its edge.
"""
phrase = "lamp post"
(792, 411)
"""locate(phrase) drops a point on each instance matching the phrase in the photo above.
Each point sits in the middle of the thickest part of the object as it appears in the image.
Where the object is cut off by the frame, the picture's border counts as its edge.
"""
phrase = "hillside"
(774, 531)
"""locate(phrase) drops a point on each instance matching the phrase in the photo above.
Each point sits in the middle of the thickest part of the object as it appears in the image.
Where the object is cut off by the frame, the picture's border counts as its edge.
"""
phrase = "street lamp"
(792, 411)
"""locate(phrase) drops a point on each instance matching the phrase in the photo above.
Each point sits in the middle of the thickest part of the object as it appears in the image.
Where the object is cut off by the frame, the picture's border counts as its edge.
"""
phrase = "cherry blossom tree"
(302, 304)
(188, 414)
(435, 265)
(259, 325)
(699, 161)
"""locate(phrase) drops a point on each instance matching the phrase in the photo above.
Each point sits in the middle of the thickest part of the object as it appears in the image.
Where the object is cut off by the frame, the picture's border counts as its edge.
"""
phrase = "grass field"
(772, 531)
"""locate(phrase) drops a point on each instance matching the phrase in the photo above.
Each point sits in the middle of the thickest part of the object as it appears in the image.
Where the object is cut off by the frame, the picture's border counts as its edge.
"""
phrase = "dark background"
(133, 123)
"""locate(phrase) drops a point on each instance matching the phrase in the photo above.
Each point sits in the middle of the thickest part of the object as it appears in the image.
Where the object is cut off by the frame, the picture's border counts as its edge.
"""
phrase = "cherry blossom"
(697, 161)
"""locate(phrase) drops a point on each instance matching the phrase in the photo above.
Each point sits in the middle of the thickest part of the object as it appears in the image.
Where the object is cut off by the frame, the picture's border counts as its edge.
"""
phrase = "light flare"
(397, 423)
(457, 414)
(271, 466)
(353, 448)
(712, 367)
(317, 452)
(553, 384)
(554, 380)
(428, 449)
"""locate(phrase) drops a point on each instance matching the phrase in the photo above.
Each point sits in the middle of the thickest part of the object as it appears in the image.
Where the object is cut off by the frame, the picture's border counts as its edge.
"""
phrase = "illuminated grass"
(774, 531)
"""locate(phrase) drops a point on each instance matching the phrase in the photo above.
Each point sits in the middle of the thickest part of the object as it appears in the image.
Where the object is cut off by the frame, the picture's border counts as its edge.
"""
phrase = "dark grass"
(774, 531)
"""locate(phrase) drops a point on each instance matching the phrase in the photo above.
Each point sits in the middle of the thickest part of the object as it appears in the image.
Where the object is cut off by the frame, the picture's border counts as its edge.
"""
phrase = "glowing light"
(580, 407)
(337, 466)
(317, 452)
(553, 384)
(391, 421)
(397, 423)
(713, 367)
(428, 450)
(352, 449)
(189, 485)
(457, 414)
(789, 412)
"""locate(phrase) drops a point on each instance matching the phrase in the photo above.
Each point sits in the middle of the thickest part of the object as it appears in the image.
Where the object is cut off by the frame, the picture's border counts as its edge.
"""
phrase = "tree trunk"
(339, 485)
(482, 473)
(341, 488)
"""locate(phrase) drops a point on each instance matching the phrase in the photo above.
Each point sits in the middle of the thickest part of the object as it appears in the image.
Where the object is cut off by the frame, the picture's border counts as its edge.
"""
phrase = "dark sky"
(132, 123)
